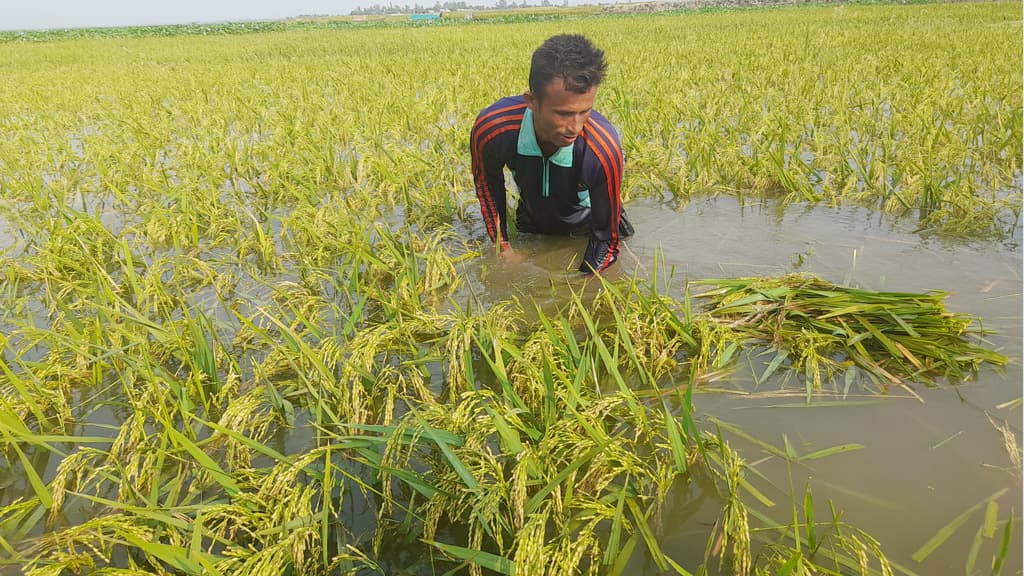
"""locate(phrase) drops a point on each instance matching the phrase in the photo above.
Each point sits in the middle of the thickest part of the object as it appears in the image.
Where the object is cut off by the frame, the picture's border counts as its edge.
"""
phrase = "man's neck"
(547, 149)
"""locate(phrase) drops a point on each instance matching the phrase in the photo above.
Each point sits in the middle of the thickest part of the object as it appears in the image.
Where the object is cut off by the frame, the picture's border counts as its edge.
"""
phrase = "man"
(564, 156)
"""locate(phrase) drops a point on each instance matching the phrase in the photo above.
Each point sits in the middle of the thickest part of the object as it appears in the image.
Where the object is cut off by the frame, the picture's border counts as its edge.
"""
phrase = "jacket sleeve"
(489, 180)
(605, 198)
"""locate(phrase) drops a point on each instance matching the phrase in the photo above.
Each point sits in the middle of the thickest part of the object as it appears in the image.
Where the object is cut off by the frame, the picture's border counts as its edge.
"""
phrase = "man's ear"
(531, 101)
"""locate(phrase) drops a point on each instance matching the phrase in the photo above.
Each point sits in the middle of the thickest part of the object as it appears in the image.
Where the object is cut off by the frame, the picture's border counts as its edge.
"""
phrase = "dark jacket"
(575, 190)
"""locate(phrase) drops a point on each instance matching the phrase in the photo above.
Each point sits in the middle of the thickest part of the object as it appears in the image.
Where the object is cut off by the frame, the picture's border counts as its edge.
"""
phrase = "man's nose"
(577, 123)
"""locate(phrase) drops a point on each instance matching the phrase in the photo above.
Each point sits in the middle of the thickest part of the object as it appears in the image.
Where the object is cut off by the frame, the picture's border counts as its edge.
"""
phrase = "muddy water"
(923, 462)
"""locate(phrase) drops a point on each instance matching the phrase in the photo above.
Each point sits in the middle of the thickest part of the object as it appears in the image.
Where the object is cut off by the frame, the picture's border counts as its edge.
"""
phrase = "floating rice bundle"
(894, 337)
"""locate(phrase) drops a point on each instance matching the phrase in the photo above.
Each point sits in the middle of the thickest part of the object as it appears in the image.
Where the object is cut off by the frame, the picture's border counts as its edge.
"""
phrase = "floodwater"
(923, 462)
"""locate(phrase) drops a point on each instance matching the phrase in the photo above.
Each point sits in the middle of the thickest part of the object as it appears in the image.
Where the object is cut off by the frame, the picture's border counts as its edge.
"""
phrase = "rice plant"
(240, 335)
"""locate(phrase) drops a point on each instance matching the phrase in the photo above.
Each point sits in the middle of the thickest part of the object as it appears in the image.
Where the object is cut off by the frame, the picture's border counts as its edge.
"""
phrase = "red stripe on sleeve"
(611, 161)
(479, 141)
(500, 111)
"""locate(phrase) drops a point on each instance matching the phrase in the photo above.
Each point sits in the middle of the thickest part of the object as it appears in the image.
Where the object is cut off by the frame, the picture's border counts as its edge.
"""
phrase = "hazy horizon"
(61, 14)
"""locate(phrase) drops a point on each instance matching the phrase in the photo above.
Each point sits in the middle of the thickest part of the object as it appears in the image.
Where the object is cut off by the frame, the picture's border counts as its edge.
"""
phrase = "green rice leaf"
(840, 449)
(812, 535)
(640, 523)
(487, 560)
(991, 517)
(612, 552)
(534, 502)
(196, 546)
(972, 554)
(204, 460)
(1004, 547)
(780, 357)
(675, 439)
(946, 531)
(174, 556)
(757, 494)
(622, 559)
(453, 459)
(38, 486)
(509, 437)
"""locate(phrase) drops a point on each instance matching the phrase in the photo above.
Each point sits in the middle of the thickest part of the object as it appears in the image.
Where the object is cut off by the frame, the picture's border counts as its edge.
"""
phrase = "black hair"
(572, 58)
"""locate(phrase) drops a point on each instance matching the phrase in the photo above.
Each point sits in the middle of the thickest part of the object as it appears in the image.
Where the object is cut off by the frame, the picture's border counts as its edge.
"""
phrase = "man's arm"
(605, 198)
(489, 179)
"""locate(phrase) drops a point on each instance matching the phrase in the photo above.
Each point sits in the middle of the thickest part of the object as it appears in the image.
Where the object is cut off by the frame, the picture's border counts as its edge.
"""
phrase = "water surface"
(924, 462)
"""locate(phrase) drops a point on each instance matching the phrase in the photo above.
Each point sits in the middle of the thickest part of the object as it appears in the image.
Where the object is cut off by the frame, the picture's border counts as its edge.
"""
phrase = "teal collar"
(527, 145)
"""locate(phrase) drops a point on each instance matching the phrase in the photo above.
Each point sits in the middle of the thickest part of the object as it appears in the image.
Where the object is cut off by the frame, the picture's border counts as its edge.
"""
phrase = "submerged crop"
(239, 334)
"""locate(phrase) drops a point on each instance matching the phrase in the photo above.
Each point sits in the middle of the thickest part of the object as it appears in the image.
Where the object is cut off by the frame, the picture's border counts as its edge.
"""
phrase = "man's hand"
(509, 255)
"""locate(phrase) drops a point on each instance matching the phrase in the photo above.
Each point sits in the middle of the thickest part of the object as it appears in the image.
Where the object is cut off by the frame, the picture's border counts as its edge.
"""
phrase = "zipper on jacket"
(545, 188)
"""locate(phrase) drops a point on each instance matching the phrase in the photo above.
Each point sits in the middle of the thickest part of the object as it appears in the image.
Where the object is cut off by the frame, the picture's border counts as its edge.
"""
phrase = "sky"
(44, 14)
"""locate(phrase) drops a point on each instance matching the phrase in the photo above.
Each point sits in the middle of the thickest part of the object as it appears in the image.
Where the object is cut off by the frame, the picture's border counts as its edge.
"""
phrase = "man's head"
(570, 57)
(564, 75)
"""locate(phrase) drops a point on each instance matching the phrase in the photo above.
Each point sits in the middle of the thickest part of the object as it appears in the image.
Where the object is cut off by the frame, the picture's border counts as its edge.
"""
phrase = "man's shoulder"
(503, 109)
(599, 127)
(603, 160)
(497, 126)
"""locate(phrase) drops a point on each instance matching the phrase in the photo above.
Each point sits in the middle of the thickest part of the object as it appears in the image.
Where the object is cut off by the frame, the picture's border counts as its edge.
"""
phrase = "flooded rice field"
(251, 322)
(924, 461)
(909, 461)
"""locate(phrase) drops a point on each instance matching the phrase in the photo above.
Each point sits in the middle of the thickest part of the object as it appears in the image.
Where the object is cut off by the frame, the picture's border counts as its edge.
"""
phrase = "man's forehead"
(556, 94)
(560, 84)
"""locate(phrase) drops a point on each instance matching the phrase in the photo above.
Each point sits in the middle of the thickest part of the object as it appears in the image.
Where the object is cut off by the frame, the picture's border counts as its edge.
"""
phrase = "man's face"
(559, 114)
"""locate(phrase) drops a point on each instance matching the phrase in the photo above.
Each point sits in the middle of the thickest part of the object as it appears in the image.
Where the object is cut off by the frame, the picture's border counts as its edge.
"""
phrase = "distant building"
(423, 17)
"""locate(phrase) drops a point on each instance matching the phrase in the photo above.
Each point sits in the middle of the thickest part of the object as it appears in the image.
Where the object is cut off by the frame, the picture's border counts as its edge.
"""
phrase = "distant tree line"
(443, 7)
